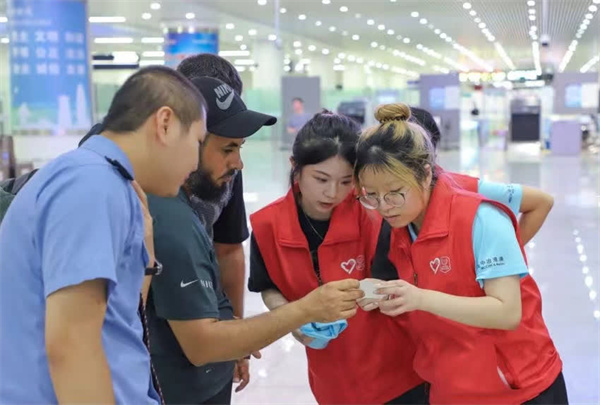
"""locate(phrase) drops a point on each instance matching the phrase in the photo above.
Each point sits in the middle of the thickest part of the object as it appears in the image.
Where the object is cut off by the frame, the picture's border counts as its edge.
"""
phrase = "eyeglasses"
(393, 198)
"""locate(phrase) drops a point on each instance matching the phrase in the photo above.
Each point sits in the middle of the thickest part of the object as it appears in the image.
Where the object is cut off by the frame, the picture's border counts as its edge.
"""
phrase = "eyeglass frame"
(385, 197)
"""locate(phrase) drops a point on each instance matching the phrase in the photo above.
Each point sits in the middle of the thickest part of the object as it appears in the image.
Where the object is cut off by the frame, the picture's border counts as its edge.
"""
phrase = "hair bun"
(392, 112)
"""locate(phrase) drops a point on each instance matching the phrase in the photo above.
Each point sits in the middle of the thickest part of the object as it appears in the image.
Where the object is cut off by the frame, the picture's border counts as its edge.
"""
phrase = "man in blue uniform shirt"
(72, 250)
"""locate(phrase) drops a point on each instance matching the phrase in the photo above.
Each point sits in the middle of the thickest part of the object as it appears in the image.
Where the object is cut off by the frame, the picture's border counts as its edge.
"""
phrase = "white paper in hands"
(369, 286)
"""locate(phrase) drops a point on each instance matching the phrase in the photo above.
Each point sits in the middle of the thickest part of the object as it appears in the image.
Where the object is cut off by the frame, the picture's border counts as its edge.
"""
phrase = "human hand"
(241, 373)
(403, 297)
(333, 301)
(148, 223)
(301, 337)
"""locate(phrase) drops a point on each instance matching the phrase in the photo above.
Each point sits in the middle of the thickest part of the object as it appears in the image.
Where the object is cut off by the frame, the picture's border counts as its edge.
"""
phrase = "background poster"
(49, 67)
(179, 45)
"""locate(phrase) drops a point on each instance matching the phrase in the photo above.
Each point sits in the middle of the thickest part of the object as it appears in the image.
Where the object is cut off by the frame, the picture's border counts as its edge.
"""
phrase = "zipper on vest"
(314, 255)
(415, 275)
(319, 280)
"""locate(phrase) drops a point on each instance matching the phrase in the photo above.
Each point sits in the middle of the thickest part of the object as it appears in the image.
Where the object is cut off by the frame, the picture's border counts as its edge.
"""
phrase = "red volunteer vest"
(371, 361)
(464, 364)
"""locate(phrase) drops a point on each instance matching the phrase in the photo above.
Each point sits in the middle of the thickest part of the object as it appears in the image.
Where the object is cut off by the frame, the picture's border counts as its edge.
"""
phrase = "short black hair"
(297, 99)
(324, 136)
(149, 89)
(211, 65)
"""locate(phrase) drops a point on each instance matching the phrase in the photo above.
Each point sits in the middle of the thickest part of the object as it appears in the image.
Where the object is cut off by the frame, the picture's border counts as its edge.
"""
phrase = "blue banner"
(180, 45)
(49, 67)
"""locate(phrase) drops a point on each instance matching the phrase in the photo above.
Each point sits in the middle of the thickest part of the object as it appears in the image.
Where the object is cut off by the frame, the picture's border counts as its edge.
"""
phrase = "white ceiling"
(507, 20)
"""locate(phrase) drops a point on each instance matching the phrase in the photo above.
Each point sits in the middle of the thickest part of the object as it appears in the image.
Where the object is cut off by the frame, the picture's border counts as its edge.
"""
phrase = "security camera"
(545, 40)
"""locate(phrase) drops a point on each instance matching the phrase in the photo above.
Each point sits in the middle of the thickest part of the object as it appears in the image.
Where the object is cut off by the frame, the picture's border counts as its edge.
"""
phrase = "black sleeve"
(382, 268)
(231, 227)
(259, 279)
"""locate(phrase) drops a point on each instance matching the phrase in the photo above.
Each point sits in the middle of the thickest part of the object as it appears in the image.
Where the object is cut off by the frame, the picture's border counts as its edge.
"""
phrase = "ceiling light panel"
(533, 33)
(113, 40)
(153, 40)
(485, 30)
(585, 68)
(107, 20)
(463, 50)
(367, 24)
(585, 24)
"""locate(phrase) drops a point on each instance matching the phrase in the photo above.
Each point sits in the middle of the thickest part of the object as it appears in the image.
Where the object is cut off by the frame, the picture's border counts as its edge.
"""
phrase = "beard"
(201, 184)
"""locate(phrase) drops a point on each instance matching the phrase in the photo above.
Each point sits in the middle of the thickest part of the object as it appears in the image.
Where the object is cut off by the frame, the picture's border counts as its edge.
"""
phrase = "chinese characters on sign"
(50, 76)
(42, 55)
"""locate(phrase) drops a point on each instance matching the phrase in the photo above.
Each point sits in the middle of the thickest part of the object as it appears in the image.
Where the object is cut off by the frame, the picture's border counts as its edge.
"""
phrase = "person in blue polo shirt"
(72, 250)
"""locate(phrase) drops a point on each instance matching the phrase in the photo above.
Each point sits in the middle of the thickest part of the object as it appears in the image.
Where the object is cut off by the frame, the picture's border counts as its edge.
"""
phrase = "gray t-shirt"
(189, 288)
(297, 121)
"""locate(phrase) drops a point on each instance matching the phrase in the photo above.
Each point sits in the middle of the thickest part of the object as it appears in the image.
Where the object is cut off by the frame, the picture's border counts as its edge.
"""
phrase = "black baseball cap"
(227, 115)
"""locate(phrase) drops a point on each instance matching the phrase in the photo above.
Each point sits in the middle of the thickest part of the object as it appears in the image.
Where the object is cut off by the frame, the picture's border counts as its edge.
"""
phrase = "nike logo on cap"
(221, 91)
(183, 285)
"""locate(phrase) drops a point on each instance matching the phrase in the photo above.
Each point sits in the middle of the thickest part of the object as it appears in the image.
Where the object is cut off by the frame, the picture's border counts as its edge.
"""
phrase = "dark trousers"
(416, 396)
(222, 398)
(556, 394)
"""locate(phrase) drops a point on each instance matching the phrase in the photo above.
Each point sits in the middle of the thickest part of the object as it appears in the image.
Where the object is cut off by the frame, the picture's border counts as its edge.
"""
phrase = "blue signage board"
(180, 45)
(49, 67)
(437, 98)
(573, 96)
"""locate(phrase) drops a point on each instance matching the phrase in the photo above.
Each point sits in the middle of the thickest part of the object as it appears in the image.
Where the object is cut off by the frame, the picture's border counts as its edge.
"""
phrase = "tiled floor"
(564, 259)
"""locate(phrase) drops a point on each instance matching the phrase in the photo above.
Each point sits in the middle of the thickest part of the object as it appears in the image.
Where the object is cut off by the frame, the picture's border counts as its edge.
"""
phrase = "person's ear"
(429, 178)
(297, 173)
(164, 118)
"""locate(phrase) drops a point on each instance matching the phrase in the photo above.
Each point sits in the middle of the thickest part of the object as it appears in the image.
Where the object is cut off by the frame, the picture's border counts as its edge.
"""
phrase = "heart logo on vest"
(435, 265)
(442, 264)
(349, 266)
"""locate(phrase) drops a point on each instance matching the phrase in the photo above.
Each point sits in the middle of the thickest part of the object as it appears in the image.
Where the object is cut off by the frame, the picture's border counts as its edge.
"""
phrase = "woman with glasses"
(318, 233)
(464, 293)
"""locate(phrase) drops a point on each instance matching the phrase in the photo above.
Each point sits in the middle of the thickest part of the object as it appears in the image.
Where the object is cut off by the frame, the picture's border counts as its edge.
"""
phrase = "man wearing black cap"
(220, 208)
(195, 341)
(224, 216)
